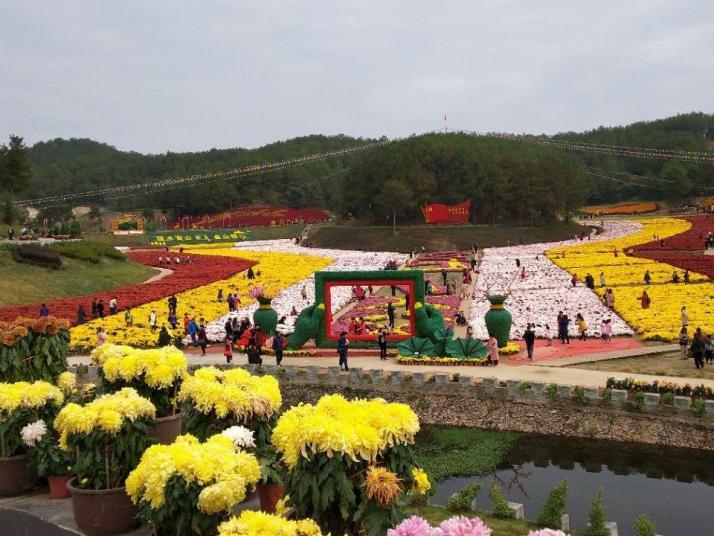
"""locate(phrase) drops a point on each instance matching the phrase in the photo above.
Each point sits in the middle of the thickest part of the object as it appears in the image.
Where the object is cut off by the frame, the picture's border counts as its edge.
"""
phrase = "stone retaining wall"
(533, 407)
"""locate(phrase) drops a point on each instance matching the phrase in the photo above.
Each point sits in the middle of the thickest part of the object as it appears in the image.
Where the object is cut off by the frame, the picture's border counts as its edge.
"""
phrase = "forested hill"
(77, 165)
(666, 179)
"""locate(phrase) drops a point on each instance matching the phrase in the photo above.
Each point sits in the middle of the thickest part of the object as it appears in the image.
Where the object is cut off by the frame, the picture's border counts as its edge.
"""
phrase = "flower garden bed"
(202, 271)
(443, 361)
(255, 216)
(634, 386)
(624, 209)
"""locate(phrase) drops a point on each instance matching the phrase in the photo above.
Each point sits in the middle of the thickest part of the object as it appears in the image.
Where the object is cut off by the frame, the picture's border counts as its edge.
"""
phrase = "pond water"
(674, 487)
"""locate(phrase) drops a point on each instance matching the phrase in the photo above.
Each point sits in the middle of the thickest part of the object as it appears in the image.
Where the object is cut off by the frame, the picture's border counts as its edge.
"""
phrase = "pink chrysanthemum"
(413, 526)
(463, 526)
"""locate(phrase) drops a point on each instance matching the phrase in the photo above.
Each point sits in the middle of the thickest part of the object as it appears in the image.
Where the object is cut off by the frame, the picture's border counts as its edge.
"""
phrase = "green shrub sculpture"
(596, 517)
(644, 526)
(499, 504)
(462, 501)
(554, 507)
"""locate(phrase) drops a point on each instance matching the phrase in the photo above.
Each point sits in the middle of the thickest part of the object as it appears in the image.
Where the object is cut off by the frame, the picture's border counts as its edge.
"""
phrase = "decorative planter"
(266, 317)
(498, 320)
(58, 486)
(16, 477)
(166, 429)
(102, 512)
(269, 495)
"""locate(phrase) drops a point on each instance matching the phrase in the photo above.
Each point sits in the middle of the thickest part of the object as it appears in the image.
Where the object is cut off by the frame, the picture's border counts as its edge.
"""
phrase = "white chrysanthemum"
(33, 432)
(241, 437)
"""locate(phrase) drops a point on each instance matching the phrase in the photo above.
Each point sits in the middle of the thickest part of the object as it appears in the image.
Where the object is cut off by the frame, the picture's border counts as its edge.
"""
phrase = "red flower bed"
(684, 250)
(253, 216)
(204, 269)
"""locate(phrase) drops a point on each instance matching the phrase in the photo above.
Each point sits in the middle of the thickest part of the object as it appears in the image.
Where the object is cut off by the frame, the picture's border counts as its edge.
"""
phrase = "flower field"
(273, 270)
(254, 216)
(625, 209)
(202, 271)
(625, 275)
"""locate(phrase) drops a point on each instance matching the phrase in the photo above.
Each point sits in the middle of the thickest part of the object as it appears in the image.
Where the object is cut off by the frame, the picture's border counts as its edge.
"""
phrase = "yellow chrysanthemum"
(215, 465)
(67, 382)
(24, 395)
(251, 523)
(360, 429)
(158, 368)
(421, 484)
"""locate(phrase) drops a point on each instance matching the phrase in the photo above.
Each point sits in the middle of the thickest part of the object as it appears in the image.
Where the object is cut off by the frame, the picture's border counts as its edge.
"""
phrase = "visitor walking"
(172, 318)
(382, 343)
(94, 308)
(675, 277)
(602, 279)
(228, 349)
(113, 305)
(280, 342)
(44, 310)
(606, 330)
(128, 318)
(390, 315)
(231, 303)
(590, 281)
(153, 320)
(548, 335)
(164, 337)
(193, 331)
(81, 315)
(683, 342)
(684, 316)
(609, 299)
(686, 277)
(252, 350)
(250, 274)
(219, 298)
(101, 336)
(303, 293)
(564, 326)
(709, 349)
(202, 338)
(343, 344)
(648, 277)
(697, 348)
(443, 276)
(493, 350)
(582, 326)
(645, 300)
(100, 308)
(173, 303)
(529, 338)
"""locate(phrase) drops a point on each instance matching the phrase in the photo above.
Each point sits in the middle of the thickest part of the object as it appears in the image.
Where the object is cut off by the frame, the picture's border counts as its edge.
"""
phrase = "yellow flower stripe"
(107, 413)
(234, 391)
(625, 274)
(222, 472)
(277, 270)
(251, 523)
(360, 429)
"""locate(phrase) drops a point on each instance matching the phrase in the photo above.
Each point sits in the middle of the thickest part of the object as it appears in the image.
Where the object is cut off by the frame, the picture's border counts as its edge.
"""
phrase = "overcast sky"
(176, 75)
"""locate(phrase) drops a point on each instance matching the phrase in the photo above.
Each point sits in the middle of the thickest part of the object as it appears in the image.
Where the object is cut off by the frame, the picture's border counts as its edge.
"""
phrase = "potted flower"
(22, 403)
(154, 374)
(214, 400)
(47, 459)
(106, 438)
(265, 316)
(350, 465)
(189, 487)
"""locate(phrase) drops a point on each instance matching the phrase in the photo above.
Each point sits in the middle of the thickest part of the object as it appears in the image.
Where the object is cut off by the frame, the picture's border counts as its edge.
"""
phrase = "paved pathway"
(163, 272)
(607, 356)
(539, 373)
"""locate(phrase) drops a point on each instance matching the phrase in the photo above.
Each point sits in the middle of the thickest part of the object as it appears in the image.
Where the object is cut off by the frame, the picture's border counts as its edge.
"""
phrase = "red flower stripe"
(204, 270)
(253, 216)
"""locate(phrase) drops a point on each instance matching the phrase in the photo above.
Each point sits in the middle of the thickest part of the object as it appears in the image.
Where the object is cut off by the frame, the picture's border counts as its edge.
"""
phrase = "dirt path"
(163, 272)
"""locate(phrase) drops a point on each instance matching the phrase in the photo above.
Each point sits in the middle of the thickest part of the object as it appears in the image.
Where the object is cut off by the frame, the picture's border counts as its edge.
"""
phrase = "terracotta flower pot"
(166, 429)
(15, 475)
(269, 495)
(58, 486)
(102, 512)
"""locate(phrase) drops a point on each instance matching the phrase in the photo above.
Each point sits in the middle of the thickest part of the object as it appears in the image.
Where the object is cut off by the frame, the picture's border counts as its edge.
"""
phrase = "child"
(606, 330)
(228, 349)
(493, 350)
(548, 335)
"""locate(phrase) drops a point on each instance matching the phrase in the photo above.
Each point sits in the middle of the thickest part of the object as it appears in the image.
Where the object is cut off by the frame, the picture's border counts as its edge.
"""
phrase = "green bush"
(638, 401)
(698, 406)
(499, 505)
(554, 507)
(88, 251)
(644, 526)
(463, 500)
(552, 391)
(579, 395)
(37, 255)
(596, 517)
(666, 399)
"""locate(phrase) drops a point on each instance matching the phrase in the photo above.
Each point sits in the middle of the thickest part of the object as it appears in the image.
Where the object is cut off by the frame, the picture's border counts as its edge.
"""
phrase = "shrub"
(638, 401)
(88, 251)
(554, 507)
(698, 406)
(666, 399)
(463, 500)
(524, 386)
(579, 395)
(552, 391)
(37, 255)
(607, 397)
(596, 517)
(499, 505)
(644, 526)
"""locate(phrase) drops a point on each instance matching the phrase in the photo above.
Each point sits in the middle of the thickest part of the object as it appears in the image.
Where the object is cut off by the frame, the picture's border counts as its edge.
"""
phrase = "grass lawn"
(446, 451)
(115, 240)
(435, 238)
(667, 364)
(23, 283)
(500, 527)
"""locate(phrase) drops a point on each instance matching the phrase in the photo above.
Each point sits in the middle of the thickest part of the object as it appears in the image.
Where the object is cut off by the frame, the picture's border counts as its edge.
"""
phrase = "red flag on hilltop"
(440, 213)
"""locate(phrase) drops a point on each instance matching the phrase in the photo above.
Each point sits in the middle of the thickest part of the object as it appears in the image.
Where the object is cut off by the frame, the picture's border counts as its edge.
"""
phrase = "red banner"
(439, 213)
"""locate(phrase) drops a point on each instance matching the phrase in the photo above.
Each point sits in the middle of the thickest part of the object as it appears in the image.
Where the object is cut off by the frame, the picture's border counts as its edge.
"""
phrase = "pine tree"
(16, 168)
(554, 507)
(596, 517)
(644, 526)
